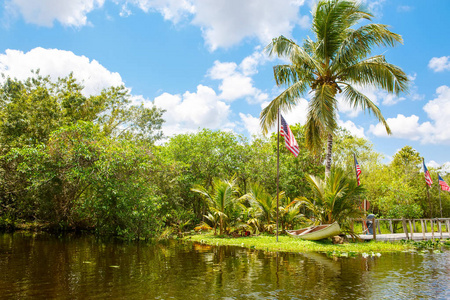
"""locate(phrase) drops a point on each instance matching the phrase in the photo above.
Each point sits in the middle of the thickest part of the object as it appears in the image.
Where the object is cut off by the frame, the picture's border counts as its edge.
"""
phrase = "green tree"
(221, 197)
(31, 110)
(264, 203)
(392, 188)
(335, 198)
(199, 158)
(336, 62)
(52, 139)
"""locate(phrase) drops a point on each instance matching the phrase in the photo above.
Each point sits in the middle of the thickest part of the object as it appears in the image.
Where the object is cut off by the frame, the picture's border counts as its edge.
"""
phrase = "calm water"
(47, 267)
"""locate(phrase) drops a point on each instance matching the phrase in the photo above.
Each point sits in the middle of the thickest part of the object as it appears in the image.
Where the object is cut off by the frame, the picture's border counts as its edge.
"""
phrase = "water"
(47, 267)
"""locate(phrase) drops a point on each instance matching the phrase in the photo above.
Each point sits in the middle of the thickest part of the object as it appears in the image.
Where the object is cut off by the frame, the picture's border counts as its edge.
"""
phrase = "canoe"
(315, 233)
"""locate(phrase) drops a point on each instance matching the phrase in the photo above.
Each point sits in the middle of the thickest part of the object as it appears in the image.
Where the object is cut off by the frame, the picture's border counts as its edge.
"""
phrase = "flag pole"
(428, 192)
(440, 202)
(278, 162)
(356, 173)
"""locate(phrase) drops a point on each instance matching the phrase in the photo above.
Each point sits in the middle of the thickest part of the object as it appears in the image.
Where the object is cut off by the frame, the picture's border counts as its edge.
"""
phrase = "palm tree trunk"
(328, 155)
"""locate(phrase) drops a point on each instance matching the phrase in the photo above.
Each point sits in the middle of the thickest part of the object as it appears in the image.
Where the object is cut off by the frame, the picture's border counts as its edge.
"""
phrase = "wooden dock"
(402, 236)
(438, 228)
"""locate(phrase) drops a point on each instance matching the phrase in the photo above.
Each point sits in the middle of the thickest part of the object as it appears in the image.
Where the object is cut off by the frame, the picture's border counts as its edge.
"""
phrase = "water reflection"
(44, 266)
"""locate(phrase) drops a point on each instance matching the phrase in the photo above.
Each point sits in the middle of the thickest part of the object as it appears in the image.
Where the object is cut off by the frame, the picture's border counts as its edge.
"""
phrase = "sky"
(203, 61)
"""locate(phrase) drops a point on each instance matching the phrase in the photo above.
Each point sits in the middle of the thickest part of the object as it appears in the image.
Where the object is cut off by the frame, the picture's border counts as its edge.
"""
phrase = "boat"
(314, 233)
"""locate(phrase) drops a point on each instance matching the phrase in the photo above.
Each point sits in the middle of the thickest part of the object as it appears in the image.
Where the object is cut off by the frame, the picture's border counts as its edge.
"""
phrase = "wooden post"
(432, 229)
(448, 227)
(405, 228)
(390, 226)
(374, 228)
(411, 229)
(440, 228)
(414, 225)
(426, 229)
(423, 228)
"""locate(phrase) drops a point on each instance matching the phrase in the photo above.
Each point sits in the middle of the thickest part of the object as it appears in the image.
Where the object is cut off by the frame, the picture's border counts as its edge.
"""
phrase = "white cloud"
(375, 7)
(45, 12)
(357, 131)
(227, 22)
(433, 131)
(403, 127)
(251, 124)
(191, 111)
(172, 10)
(235, 79)
(58, 63)
(439, 64)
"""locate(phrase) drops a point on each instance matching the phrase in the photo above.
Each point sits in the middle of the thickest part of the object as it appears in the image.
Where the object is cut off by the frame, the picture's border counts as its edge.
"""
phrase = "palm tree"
(289, 213)
(335, 198)
(221, 197)
(337, 61)
(265, 204)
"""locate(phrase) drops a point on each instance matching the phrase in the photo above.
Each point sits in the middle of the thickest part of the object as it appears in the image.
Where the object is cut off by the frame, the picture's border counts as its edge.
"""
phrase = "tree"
(265, 204)
(201, 157)
(32, 109)
(398, 189)
(335, 198)
(221, 197)
(337, 61)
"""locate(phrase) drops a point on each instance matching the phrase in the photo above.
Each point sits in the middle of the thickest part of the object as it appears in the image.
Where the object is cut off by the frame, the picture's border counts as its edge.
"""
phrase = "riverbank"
(287, 244)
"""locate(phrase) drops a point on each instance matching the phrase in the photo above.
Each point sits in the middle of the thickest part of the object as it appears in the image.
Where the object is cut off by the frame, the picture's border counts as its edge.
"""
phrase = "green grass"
(287, 244)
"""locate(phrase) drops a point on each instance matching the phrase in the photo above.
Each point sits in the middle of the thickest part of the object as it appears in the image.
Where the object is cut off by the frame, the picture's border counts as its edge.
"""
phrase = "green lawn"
(287, 244)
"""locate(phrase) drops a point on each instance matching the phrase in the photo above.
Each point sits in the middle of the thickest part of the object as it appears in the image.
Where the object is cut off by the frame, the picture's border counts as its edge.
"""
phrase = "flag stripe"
(289, 139)
(358, 171)
(427, 175)
(443, 184)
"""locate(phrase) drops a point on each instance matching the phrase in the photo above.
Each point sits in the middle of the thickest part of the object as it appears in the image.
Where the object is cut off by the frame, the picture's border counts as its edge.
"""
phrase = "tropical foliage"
(70, 161)
(336, 199)
(336, 61)
(221, 198)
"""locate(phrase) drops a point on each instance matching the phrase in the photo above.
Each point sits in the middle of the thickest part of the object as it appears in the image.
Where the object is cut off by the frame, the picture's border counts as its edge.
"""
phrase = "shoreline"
(287, 244)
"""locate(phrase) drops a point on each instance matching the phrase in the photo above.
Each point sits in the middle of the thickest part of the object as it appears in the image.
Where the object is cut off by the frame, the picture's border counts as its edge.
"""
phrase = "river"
(42, 266)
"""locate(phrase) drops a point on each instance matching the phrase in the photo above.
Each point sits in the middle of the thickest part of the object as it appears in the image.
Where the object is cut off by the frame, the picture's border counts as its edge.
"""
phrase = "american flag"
(289, 138)
(427, 175)
(358, 171)
(443, 184)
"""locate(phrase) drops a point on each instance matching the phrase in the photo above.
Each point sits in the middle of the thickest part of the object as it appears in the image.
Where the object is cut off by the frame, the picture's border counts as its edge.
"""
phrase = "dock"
(411, 229)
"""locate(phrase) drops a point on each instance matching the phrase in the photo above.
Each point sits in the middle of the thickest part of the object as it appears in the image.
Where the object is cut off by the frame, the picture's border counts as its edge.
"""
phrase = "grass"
(287, 244)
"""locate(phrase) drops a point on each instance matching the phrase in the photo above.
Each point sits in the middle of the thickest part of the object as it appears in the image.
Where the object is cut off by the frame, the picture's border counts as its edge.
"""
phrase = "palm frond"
(358, 100)
(284, 47)
(377, 72)
(284, 102)
(331, 19)
(359, 42)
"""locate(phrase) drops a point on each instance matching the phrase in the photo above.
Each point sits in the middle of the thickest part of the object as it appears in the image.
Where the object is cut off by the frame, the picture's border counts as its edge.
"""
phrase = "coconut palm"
(336, 62)
(335, 198)
(221, 198)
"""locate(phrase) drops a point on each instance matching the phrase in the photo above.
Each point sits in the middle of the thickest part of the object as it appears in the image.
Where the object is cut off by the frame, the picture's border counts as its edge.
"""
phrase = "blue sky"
(203, 60)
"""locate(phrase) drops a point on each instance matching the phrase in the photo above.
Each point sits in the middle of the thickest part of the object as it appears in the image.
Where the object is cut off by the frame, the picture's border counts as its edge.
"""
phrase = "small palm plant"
(289, 213)
(336, 199)
(265, 204)
(221, 197)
